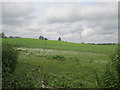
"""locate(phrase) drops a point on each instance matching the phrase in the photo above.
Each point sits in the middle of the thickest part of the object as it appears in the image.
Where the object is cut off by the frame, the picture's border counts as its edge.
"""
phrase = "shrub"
(110, 77)
(9, 58)
(10, 79)
(9, 61)
(57, 57)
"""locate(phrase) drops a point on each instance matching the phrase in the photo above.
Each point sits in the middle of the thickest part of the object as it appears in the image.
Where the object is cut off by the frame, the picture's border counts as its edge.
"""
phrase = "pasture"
(48, 63)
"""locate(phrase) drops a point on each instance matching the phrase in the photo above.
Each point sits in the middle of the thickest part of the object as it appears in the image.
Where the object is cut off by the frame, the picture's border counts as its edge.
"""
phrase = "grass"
(73, 68)
(50, 44)
(61, 64)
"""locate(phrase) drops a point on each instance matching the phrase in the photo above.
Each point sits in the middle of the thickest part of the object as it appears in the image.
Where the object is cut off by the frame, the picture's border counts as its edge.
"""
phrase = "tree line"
(44, 38)
(2, 35)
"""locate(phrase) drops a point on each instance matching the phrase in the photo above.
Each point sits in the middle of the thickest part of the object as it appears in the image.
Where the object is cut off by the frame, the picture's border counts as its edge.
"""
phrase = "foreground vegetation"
(57, 64)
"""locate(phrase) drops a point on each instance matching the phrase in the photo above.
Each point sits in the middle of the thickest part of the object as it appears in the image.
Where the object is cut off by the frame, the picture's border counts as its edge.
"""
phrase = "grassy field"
(50, 44)
(60, 64)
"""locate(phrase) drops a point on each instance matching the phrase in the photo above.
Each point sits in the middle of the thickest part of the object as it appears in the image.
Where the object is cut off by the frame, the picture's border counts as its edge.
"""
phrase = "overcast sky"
(73, 22)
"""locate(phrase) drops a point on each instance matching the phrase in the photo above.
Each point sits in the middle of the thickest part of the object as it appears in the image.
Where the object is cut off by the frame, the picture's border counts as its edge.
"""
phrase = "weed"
(57, 57)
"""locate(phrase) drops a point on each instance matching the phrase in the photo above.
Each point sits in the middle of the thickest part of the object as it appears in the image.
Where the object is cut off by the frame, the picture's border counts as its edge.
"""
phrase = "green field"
(50, 44)
(49, 63)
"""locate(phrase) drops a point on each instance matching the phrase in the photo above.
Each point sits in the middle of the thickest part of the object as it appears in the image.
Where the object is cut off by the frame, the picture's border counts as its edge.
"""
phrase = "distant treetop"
(42, 38)
(59, 39)
(2, 35)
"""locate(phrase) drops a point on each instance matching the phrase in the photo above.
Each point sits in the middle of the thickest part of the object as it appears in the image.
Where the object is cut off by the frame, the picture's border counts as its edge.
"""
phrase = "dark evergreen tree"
(59, 39)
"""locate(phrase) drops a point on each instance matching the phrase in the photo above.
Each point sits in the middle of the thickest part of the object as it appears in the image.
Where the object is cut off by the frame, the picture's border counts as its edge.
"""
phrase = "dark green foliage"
(12, 81)
(42, 38)
(10, 36)
(110, 77)
(2, 35)
(57, 57)
(9, 62)
(46, 39)
(9, 58)
(59, 39)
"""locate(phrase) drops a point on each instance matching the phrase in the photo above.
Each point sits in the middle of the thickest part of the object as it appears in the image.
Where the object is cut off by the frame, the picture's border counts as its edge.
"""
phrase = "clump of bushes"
(9, 62)
(10, 79)
(9, 58)
(110, 78)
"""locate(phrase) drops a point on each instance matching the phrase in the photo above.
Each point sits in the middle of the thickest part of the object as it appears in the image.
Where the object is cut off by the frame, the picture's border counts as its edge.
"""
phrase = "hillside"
(60, 64)
(61, 45)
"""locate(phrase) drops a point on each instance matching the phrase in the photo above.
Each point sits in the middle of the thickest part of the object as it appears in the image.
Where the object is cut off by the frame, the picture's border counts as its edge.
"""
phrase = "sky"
(90, 22)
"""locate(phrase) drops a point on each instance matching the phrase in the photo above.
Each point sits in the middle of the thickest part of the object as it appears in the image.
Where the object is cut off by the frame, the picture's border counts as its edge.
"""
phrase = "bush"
(9, 61)
(57, 57)
(9, 58)
(10, 79)
(110, 77)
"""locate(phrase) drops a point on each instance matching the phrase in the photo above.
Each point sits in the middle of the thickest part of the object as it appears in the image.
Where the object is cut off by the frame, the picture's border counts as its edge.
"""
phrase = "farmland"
(48, 63)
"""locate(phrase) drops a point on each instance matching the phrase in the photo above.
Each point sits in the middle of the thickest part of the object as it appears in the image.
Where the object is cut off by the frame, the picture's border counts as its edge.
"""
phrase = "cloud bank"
(73, 22)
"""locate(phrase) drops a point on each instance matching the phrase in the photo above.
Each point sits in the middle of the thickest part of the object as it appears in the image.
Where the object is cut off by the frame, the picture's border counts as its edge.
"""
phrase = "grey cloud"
(16, 9)
(102, 19)
(71, 21)
(16, 13)
(17, 21)
(0, 14)
(74, 12)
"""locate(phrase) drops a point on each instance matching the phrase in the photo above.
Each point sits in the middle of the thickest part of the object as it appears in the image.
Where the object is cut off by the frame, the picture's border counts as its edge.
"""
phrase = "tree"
(10, 36)
(2, 35)
(59, 39)
(17, 37)
(46, 39)
(41, 37)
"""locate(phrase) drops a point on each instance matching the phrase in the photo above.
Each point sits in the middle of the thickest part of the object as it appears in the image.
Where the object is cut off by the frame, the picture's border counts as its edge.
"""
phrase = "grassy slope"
(73, 69)
(49, 44)
(77, 65)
